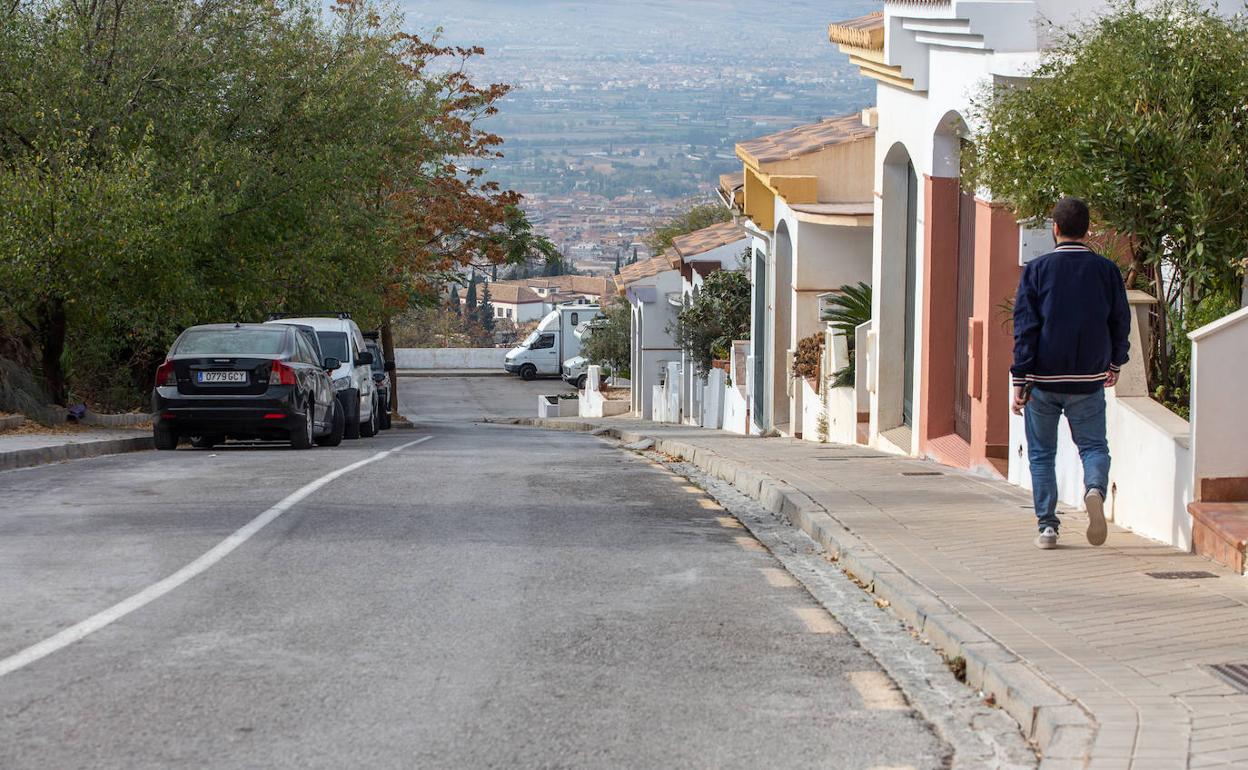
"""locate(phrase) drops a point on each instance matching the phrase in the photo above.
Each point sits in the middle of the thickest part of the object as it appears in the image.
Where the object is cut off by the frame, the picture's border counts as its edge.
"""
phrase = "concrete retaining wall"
(449, 358)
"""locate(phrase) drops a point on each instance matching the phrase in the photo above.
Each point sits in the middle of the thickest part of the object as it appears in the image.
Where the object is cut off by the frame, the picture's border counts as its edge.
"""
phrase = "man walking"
(1071, 322)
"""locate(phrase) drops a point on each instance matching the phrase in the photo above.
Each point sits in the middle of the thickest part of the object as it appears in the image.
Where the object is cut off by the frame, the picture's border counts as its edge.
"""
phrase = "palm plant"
(847, 309)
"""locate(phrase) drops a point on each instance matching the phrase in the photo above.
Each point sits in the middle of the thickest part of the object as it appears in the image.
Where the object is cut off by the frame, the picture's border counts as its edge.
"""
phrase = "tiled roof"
(707, 239)
(512, 293)
(862, 32)
(575, 284)
(730, 182)
(645, 269)
(806, 139)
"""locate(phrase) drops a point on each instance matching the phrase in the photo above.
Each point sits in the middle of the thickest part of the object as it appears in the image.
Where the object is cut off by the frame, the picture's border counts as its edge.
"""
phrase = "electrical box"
(1035, 239)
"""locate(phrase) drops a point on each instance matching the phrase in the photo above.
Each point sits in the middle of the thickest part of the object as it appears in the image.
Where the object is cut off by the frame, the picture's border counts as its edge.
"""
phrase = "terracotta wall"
(992, 339)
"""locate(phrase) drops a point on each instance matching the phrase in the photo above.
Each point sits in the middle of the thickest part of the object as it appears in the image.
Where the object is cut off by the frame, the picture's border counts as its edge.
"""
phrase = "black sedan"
(245, 381)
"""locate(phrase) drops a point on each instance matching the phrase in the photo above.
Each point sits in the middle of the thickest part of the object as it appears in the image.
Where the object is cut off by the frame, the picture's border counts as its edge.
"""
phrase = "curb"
(1063, 731)
(28, 458)
(116, 420)
(452, 373)
(12, 421)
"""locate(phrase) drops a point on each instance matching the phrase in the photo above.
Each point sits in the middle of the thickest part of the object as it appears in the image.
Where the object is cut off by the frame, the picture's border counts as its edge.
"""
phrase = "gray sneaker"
(1047, 540)
(1094, 501)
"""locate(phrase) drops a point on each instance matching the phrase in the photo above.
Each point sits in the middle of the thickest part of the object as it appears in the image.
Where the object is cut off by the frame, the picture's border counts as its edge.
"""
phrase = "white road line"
(153, 592)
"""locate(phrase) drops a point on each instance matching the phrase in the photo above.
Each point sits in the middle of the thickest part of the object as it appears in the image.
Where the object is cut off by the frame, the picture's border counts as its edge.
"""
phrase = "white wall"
(449, 358)
(653, 346)
(1219, 419)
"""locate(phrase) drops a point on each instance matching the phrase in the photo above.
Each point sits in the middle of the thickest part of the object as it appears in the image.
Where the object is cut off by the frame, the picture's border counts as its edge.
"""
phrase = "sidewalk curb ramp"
(1062, 730)
(29, 458)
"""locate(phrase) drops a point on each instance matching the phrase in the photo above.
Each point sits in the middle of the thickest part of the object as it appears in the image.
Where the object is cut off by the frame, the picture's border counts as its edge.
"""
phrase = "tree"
(453, 301)
(485, 313)
(1141, 114)
(471, 302)
(181, 162)
(697, 217)
(610, 340)
(718, 314)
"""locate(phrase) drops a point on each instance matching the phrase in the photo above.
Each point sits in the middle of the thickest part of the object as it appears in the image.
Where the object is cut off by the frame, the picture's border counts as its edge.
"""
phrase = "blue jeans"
(1086, 414)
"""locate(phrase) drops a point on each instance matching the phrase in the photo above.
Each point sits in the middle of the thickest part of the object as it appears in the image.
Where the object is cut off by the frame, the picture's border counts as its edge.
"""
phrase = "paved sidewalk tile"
(1129, 649)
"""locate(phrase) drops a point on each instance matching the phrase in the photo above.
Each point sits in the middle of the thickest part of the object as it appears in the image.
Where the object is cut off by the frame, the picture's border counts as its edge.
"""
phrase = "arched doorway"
(897, 291)
(949, 294)
(782, 330)
(758, 335)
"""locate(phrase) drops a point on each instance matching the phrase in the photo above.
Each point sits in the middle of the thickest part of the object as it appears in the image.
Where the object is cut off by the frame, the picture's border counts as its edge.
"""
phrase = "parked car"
(381, 378)
(245, 381)
(576, 371)
(341, 338)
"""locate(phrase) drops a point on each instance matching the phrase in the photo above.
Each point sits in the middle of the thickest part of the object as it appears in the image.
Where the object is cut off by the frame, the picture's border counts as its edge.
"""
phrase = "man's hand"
(1111, 379)
(1020, 400)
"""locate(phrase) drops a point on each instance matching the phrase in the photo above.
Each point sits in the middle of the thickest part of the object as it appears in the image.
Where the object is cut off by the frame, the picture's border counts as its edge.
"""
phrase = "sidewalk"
(26, 449)
(1097, 652)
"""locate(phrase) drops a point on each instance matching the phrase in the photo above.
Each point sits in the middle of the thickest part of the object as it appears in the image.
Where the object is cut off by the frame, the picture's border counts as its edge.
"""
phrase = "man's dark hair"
(1071, 216)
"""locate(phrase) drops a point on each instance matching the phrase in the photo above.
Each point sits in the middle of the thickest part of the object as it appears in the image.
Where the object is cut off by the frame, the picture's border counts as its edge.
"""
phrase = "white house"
(652, 288)
(944, 261)
(806, 201)
(722, 246)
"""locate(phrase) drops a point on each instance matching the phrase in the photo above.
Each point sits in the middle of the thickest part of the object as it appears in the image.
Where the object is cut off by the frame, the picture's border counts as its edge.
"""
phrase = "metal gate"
(964, 309)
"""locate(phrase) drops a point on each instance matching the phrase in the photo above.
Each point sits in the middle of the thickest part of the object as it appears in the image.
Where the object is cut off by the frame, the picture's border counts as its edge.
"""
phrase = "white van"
(543, 352)
(341, 338)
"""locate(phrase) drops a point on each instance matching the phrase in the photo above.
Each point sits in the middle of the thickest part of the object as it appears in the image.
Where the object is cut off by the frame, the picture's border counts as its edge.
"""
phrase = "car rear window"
(334, 345)
(379, 363)
(256, 342)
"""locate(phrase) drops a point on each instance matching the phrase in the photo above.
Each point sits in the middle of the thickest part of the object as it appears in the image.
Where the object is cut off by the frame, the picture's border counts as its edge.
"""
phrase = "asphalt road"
(489, 597)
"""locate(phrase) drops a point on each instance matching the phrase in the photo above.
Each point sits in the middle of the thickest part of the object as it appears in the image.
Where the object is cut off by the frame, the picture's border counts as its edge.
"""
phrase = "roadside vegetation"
(1143, 114)
(718, 314)
(168, 164)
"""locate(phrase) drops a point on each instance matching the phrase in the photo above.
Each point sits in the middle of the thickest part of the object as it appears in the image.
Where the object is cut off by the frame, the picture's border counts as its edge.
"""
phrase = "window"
(499, 312)
(576, 319)
(509, 312)
(334, 345)
(258, 342)
(545, 342)
(304, 351)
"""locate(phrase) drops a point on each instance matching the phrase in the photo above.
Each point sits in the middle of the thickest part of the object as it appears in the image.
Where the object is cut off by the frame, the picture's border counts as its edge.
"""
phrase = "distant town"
(621, 119)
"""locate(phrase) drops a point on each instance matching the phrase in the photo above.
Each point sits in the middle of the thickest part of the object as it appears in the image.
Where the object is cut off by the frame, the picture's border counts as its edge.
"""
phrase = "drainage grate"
(1199, 575)
(1234, 674)
(922, 473)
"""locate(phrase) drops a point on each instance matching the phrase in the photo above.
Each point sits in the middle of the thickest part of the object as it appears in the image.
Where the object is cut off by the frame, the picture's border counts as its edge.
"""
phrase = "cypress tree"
(472, 294)
(455, 299)
(485, 313)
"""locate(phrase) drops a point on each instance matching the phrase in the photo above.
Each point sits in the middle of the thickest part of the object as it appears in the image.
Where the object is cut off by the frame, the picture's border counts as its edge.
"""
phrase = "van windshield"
(529, 340)
(334, 345)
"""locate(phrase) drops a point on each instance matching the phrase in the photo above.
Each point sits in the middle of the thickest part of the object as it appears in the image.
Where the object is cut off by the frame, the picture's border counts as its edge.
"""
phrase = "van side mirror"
(331, 363)
(364, 358)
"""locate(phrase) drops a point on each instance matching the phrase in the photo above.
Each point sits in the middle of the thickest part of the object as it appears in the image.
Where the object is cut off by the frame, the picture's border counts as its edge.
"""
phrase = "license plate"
(215, 378)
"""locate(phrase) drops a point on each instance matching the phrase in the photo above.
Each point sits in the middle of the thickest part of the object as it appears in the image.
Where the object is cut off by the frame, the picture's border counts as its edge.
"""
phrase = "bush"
(808, 360)
(718, 314)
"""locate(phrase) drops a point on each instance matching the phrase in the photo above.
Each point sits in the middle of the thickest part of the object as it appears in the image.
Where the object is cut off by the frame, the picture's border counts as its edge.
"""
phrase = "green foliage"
(697, 217)
(1142, 114)
(718, 314)
(849, 308)
(610, 343)
(485, 313)
(165, 164)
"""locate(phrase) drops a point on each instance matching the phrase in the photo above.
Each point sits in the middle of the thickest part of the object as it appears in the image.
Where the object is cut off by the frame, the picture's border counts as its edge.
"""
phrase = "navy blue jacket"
(1071, 321)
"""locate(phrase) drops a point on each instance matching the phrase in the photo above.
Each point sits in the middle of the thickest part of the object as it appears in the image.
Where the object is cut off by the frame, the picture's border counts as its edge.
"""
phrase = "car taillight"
(165, 375)
(281, 374)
